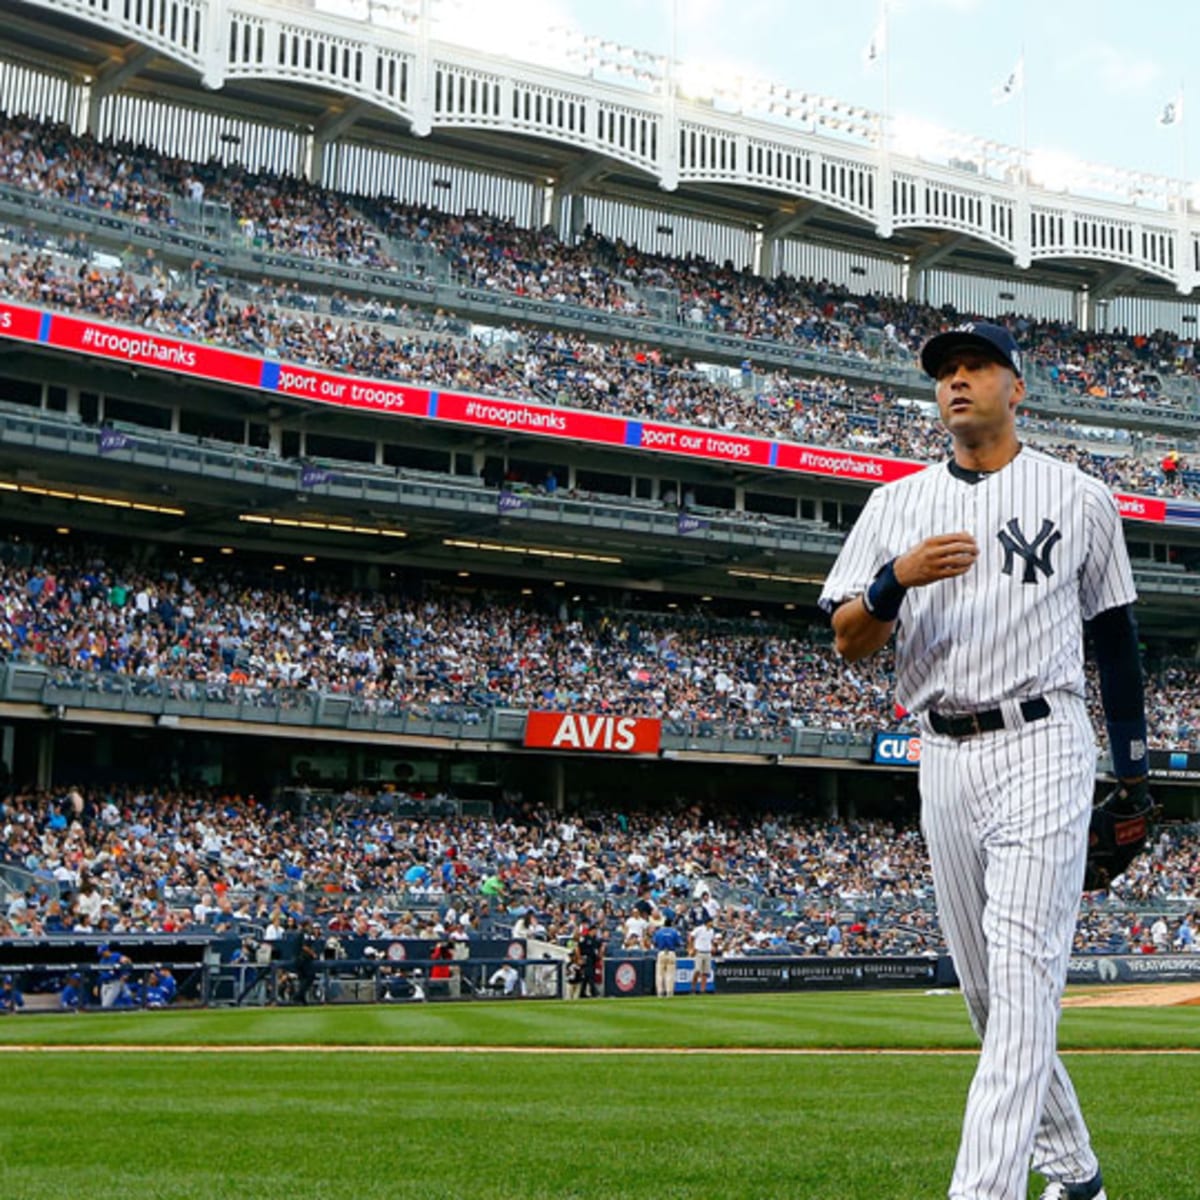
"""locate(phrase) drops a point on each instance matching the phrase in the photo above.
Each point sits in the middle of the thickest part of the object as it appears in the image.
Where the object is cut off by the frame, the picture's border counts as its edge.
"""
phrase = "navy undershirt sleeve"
(1114, 636)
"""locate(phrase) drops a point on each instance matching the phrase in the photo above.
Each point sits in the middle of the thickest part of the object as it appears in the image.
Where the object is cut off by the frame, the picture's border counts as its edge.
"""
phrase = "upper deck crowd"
(354, 333)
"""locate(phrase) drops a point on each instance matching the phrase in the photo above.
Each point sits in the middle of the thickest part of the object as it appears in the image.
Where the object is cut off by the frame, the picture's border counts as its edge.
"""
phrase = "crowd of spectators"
(149, 861)
(449, 656)
(288, 214)
(498, 255)
(281, 213)
(214, 631)
(618, 378)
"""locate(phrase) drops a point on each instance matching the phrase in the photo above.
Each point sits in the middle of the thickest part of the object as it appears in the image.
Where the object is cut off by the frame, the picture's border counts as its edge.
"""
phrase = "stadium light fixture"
(694, 81)
(499, 28)
(31, 489)
(536, 551)
(771, 578)
(1056, 171)
(325, 526)
(392, 14)
(569, 50)
(913, 137)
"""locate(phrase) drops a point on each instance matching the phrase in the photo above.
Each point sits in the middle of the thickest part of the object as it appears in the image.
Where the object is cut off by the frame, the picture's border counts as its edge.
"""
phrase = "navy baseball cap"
(994, 340)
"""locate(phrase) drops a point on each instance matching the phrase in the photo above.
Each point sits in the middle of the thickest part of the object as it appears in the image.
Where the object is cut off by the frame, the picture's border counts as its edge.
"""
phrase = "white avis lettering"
(595, 733)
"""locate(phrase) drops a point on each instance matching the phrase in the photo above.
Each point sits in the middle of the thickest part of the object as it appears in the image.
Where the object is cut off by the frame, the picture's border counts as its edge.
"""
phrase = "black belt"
(962, 725)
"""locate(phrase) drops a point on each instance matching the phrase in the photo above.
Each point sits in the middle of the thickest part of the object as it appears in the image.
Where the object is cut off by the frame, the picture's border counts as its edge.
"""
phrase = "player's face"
(978, 397)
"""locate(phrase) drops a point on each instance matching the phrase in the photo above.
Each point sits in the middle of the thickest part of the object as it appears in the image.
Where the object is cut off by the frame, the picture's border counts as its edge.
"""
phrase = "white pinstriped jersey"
(1051, 553)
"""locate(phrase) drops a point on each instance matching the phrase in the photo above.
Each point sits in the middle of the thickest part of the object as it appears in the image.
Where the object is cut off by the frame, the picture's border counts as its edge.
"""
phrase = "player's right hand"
(940, 557)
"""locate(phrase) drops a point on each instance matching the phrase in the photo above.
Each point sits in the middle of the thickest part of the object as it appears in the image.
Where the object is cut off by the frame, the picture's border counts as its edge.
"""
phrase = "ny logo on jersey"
(1036, 554)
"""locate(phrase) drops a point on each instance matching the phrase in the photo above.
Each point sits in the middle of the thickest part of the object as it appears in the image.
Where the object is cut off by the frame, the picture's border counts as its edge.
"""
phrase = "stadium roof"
(49, 35)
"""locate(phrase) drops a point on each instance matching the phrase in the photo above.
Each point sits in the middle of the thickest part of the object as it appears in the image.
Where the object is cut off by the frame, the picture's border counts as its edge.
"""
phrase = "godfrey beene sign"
(593, 731)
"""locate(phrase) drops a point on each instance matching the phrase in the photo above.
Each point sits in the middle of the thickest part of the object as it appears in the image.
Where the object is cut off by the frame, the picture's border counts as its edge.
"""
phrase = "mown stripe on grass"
(608, 1051)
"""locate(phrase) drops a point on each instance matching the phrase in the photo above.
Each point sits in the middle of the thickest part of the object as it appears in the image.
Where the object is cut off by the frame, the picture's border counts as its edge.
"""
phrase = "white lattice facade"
(431, 85)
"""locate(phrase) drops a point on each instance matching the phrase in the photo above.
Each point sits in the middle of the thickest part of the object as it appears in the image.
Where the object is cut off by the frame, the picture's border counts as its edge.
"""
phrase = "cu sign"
(897, 749)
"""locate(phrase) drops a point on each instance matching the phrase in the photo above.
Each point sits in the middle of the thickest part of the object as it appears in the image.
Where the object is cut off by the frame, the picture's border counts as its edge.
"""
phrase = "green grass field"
(355, 1122)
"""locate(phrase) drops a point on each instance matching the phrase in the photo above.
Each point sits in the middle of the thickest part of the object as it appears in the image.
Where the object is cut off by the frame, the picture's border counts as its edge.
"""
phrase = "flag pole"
(884, 200)
(1024, 117)
(887, 72)
(1182, 144)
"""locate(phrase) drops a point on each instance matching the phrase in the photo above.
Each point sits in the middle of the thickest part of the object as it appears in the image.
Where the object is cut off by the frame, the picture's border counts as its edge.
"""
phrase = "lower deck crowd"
(123, 862)
(229, 631)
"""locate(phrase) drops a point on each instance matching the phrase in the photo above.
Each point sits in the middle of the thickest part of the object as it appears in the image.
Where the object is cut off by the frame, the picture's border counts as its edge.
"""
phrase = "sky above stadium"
(1097, 74)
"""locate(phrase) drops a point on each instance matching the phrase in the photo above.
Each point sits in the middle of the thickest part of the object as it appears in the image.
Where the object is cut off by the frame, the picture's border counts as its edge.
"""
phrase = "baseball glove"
(1118, 833)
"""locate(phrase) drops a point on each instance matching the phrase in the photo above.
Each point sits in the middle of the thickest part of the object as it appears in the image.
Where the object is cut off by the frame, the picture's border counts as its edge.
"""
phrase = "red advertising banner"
(593, 731)
(530, 418)
(1140, 508)
(141, 349)
(375, 394)
(863, 468)
(674, 439)
(19, 322)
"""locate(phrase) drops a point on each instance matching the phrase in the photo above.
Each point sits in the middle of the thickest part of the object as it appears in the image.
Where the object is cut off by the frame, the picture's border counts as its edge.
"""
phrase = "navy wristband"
(885, 595)
(1127, 744)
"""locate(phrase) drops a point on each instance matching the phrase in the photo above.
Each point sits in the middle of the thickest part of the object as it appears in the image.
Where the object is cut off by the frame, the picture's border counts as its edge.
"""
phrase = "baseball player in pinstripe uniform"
(988, 568)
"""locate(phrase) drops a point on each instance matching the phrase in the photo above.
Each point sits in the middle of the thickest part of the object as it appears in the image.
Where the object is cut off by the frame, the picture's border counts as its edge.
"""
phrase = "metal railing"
(183, 454)
(177, 454)
(18, 880)
(61, 691)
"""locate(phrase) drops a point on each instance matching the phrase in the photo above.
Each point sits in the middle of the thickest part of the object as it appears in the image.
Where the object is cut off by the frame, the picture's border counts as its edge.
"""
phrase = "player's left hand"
(1119, 830)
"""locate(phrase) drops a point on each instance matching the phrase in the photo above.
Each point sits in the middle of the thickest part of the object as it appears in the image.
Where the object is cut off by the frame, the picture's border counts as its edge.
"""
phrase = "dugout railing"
(46, 969)
(57, 692)
(381, 980)
(216, 969)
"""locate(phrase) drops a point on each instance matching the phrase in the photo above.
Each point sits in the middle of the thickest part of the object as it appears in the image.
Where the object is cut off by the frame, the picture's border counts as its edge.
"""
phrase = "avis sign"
(593, 731)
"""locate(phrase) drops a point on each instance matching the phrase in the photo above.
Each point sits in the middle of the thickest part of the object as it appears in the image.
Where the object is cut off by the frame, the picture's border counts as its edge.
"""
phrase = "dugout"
(41, 965)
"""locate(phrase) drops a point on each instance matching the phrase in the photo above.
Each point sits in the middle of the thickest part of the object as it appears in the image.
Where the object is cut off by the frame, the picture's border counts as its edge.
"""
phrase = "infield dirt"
(1140, 995)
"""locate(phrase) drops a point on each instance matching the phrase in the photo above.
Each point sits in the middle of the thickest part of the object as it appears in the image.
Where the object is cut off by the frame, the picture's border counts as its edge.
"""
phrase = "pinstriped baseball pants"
(1005, 816)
